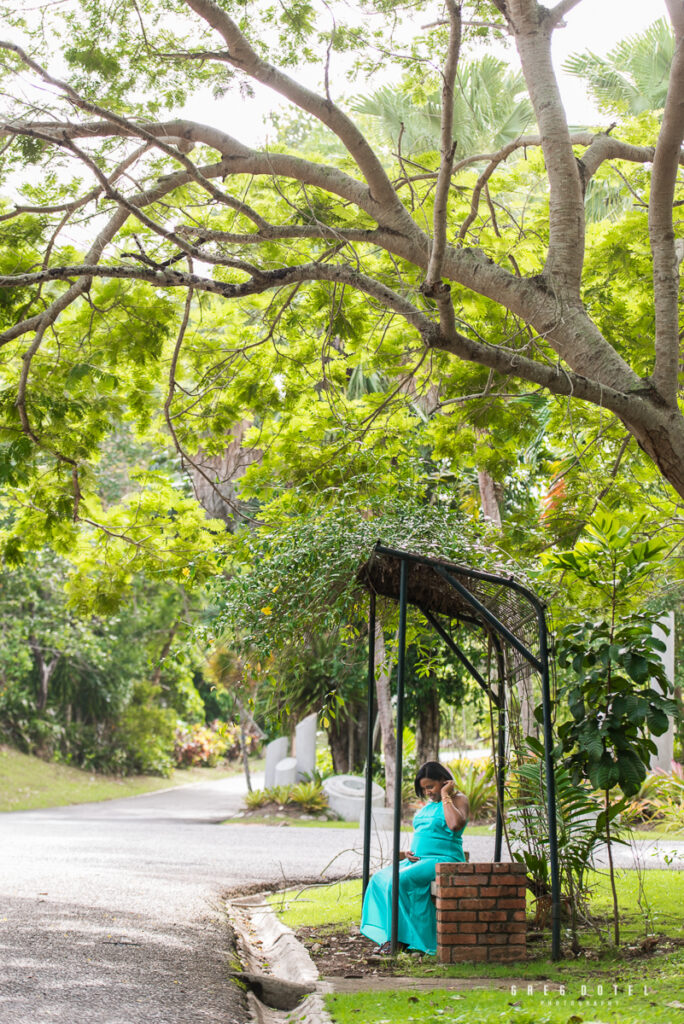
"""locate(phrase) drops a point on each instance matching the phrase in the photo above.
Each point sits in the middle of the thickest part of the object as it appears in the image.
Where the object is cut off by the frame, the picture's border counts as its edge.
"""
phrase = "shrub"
(660, 799)
(146, 736)
(307, 796)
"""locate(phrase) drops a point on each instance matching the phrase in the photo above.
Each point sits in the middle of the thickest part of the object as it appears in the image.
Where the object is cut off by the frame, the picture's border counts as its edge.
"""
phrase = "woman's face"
(431, 788)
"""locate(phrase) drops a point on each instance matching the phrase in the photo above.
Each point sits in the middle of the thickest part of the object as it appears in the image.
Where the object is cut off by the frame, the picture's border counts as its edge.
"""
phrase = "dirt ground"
(348, 954)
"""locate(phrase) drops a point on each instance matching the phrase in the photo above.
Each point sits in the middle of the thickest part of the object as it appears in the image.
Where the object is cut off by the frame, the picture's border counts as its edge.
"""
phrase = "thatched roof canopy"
(457, 592)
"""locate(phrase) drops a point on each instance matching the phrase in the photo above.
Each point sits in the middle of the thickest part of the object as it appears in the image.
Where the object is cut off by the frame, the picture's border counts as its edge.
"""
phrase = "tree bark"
(45, 671)
(338, 741)
(383, 668)
(428, 728)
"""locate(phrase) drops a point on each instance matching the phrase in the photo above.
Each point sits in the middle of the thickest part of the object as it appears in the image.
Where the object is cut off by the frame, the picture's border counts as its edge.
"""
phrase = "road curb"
(270, 950)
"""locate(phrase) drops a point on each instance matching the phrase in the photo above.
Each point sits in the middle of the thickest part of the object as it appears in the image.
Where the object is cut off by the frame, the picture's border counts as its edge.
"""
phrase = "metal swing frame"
(452, 591)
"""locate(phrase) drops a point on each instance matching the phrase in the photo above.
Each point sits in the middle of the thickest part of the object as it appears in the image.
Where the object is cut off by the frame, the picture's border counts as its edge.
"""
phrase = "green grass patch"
(654, 905)
(336, 904)
(537, 1004)
(28, 783)
(287, 820)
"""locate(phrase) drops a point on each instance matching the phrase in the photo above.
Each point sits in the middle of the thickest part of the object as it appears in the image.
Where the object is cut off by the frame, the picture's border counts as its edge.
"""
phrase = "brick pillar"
(480, 912)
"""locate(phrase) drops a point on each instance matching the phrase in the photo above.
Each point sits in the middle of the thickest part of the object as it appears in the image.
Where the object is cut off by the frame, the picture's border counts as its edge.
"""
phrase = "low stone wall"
(480, 912)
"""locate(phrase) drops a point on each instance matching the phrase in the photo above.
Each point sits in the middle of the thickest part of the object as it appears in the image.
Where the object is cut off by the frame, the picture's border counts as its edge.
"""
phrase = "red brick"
(515, 869)
(508, 927)
(457, 930)
(456, 891)
(508, 879)
(456, 881)
(511, 904)
(456, 915)
(508, 954)
(495, 940)
(455, 867)
(444, 954)
(512, 890)
(477, 905)
(483, 869)
(492, 891)
(475, 928)
(494, 915)
(467, 953)
(448, 928)
(517, 915)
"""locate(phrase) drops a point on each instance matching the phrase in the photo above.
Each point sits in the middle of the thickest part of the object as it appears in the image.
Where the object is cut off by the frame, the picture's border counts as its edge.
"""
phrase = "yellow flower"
(185, 571)
(266, 610)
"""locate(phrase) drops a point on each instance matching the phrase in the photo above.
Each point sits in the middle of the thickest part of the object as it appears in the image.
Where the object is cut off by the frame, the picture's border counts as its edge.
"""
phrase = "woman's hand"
(406, 855)
(456, 807)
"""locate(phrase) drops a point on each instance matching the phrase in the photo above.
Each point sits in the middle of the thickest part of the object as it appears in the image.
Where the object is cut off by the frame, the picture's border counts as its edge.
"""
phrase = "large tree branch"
(558, 12)
(236, 159)
(447, 149)
(660, 221)
(565, 255)
(503, 360)
(243, 56)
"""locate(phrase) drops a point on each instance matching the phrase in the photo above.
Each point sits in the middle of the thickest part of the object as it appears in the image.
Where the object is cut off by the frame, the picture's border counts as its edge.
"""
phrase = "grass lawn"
(288, 820)
(595, 1003)
(28, 783)
(600, 985)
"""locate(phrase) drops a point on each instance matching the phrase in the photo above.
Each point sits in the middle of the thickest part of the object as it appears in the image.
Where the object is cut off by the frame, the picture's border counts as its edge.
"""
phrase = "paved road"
(111, 913)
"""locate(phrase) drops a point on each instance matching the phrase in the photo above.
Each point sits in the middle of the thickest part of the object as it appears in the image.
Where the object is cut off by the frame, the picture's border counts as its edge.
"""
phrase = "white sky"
(595, 25)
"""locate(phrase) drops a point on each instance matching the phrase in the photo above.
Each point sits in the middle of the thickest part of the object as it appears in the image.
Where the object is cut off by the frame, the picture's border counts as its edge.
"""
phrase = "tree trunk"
(338, 741)
(427, 728)
(214, 476)
(243, 746)
(45, 671)
(488, 497)
(383, 669)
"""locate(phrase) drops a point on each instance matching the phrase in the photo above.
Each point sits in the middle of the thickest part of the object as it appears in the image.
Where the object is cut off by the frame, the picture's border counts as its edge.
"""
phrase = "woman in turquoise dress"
(438, 827)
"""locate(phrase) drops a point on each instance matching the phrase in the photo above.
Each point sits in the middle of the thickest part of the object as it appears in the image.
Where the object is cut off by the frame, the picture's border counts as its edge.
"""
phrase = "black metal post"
(550, 790)
(369, 750)
(401, 661)
(500, 751)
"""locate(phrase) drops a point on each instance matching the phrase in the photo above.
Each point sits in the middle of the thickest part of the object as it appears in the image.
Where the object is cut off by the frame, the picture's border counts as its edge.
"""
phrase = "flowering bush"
(200, 745)
(205, 745)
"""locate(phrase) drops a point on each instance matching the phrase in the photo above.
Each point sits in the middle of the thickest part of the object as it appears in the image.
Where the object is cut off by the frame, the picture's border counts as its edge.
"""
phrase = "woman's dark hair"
(432, 770)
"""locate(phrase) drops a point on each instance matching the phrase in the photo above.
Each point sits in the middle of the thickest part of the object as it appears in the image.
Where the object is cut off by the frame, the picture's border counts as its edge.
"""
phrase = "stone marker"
(346, 796)
(286, 772)
(275, 752)
(305, 746)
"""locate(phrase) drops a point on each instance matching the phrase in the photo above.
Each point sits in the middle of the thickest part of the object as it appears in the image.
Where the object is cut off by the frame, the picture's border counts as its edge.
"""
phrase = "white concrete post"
(305, 746)
(275, 752)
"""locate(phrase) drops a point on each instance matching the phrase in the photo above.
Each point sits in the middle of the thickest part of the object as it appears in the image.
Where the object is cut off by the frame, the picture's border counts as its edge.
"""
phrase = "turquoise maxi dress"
(434, 842)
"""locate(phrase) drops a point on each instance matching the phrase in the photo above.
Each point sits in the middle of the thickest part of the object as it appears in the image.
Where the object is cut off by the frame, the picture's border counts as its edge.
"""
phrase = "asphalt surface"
(112, 913)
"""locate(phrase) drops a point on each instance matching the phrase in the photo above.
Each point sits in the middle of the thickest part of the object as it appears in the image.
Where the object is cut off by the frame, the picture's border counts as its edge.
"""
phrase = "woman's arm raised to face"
(455, 806)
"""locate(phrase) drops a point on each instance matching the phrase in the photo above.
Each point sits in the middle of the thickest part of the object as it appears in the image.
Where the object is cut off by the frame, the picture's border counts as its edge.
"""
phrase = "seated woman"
(437, 837)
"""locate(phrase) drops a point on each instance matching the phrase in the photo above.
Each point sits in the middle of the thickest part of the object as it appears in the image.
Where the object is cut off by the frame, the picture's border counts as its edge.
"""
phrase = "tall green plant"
(614, 683)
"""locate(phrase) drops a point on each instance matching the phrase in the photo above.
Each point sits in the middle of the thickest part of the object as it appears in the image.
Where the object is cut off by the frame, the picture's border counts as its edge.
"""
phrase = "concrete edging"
(270, 950)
